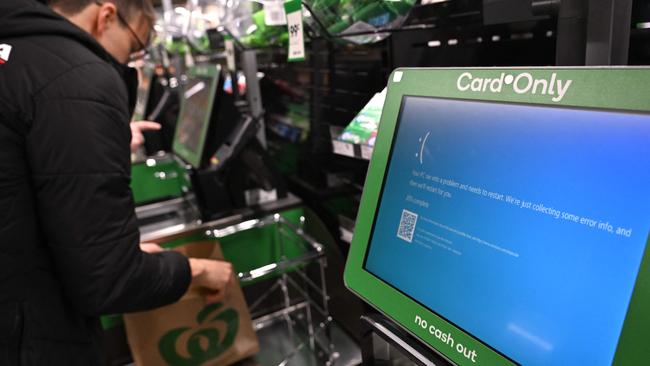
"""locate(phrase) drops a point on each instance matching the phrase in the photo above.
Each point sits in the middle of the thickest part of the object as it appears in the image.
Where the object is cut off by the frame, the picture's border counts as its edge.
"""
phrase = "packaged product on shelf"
(363, 128)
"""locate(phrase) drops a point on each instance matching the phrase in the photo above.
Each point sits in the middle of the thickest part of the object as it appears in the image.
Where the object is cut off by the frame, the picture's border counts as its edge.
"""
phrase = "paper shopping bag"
(191, 332)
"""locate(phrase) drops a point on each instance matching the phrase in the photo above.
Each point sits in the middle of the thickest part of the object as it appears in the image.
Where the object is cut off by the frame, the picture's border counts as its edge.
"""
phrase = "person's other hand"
(214, 275)
(151, 248)
(137, 127)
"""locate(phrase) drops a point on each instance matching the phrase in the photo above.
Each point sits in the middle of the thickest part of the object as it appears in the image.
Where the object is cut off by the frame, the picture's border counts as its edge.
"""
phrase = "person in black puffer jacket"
(69, 241)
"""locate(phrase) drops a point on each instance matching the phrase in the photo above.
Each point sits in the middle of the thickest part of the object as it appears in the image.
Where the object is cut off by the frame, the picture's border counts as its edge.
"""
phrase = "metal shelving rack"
(310, 313)
(300, 282)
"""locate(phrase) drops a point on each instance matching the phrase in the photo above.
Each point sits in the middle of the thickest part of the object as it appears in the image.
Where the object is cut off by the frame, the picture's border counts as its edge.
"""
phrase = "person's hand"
(151, 248)
(215, 276)
(137, 138)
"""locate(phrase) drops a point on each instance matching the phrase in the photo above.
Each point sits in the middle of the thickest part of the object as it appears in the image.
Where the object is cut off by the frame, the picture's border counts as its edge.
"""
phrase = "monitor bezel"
(210, 71)
(612, 88)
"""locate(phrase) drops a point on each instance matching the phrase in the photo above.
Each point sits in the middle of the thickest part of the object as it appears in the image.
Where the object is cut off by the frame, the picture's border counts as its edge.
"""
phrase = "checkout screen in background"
(524, 226)
(197, 98)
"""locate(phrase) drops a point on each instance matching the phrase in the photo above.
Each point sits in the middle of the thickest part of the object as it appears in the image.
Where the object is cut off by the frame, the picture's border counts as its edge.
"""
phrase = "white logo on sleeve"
(5, 52)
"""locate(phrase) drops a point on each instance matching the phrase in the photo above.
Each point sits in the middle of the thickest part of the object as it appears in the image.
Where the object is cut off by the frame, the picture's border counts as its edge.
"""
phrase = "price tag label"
(293, 9)
(230, 52)
(274, 13)
(343, 148)
(366, 152)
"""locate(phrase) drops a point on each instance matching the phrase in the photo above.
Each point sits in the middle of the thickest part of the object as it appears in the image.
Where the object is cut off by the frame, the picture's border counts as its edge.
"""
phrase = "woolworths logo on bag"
(187, 346)
(522, 83)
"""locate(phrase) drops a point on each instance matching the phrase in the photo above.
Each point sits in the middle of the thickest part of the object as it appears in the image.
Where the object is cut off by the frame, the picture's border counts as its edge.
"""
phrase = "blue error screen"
(524, 226)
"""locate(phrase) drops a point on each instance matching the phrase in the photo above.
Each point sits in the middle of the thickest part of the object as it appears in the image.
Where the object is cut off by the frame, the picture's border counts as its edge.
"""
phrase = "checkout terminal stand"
(383, 343)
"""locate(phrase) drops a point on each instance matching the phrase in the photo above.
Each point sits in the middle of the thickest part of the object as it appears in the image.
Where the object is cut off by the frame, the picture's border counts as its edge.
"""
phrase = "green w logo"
(206, 343)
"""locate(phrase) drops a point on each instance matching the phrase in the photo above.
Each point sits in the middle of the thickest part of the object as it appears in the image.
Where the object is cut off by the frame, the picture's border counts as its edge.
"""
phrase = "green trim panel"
(156, 179)
(292, 6)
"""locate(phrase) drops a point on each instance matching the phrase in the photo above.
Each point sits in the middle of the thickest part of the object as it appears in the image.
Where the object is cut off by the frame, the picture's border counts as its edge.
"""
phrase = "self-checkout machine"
(223, 163)
(217, 163)
(217, 131)
(504, 218)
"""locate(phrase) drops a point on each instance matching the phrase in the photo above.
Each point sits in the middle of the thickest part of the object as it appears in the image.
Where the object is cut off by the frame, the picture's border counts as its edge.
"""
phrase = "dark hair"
(128, 8)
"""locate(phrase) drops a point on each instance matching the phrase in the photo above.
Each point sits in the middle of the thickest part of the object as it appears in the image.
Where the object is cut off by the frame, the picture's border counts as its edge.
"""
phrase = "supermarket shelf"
(350, 150)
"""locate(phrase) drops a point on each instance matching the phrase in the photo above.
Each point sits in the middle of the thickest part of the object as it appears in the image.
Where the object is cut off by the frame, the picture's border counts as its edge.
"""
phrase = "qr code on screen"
(407, 225)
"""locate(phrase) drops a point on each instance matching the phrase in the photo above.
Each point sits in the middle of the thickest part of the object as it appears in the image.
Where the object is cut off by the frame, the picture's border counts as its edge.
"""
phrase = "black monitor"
(196, 111)
(207, 116)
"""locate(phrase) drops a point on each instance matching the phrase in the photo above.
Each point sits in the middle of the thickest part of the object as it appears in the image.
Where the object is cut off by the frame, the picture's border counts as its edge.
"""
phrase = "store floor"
(281, 344)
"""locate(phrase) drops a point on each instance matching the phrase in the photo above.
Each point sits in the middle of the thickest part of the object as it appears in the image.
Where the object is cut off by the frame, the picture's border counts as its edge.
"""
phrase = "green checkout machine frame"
(593, 89)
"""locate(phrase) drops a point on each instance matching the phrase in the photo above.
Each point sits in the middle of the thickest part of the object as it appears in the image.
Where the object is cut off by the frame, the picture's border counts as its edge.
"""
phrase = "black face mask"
(130, 77)
(131, 80)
